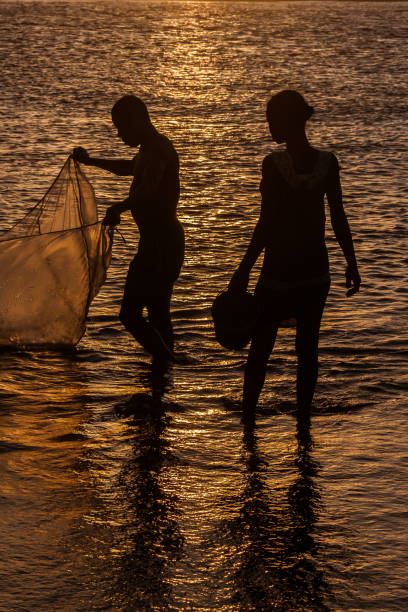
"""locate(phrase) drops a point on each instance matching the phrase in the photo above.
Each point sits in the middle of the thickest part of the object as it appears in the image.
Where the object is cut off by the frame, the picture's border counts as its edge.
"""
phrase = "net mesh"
(53, 262)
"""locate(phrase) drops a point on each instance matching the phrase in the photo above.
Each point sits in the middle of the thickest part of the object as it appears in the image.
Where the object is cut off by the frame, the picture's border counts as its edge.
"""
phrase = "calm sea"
(100, 510)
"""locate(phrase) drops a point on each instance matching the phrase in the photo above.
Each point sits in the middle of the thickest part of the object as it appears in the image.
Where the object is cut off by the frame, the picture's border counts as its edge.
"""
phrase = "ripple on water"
(127, 489)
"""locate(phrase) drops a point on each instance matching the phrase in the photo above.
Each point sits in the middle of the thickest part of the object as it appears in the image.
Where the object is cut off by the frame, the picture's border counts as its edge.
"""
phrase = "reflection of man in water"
(152, 200)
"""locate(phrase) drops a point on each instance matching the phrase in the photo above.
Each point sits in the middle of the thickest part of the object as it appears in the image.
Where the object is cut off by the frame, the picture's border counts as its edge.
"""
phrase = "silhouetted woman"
(152, 200)
(294, 280)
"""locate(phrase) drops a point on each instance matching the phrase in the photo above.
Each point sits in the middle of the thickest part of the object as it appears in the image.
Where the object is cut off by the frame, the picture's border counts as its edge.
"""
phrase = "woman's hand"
(353, 280)
(80, 154)
(239, 281)
(112, 217)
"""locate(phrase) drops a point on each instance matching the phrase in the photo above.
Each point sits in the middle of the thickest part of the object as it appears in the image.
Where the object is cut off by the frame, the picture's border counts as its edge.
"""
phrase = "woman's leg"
(308, 316)
(262, 344)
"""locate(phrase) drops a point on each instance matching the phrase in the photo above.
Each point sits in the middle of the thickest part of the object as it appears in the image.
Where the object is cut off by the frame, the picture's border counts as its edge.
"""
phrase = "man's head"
(287, 111)
(131, 118)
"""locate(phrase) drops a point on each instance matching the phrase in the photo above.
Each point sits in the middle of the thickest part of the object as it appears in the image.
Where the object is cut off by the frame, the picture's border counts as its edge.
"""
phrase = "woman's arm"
(120, 167)
(240, 278)
(342, 232)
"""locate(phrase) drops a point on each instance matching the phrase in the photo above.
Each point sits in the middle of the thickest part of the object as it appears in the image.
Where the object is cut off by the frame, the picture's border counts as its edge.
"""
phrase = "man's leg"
(159, 316)
(158, 309)
(132, 318)
(131, 315)
(135, 299)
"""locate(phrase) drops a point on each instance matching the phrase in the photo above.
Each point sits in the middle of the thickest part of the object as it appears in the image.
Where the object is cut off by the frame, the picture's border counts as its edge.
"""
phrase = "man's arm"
(342, 232)
(120, 167)
(147, 188)
(112, 215)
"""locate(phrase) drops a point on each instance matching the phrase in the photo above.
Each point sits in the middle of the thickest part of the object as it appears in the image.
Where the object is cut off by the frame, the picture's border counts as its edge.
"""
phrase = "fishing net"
(52, 264)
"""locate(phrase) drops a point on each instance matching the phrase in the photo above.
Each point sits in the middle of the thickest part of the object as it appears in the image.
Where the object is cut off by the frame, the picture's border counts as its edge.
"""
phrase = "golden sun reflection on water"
(131, 498)
(106, 505)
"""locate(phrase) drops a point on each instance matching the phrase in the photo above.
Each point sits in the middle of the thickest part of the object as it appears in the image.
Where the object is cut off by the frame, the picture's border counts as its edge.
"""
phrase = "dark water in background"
(185, 511)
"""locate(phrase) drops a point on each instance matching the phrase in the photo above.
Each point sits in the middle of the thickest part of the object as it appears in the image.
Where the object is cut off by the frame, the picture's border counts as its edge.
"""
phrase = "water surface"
(183, 509)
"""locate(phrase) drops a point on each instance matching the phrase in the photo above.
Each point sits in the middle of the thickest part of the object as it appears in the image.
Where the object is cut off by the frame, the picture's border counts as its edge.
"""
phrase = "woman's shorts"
(276, 305)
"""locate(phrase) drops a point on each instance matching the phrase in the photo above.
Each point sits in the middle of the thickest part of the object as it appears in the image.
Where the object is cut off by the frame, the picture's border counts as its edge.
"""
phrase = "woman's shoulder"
(329, 157)
(278, 155)
(334, 160)
(135, 163)
(329, 163)
(271, 162)
(279, 163)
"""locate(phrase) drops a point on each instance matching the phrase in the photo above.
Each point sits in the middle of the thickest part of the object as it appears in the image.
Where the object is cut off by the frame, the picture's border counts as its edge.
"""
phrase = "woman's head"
(131, 118)
(286, 112)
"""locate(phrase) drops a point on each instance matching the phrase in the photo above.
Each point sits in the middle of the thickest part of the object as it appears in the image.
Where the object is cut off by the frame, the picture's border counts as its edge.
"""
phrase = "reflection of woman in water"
(277, 558)
(295, 279)
(152, 201)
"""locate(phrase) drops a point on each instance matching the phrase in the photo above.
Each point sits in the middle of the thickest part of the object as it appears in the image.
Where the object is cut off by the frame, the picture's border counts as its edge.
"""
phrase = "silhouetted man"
(152, 200)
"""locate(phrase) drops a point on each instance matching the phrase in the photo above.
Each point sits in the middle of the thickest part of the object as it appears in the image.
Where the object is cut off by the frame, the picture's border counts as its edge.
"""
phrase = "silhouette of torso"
(155, 192)
(293, 219)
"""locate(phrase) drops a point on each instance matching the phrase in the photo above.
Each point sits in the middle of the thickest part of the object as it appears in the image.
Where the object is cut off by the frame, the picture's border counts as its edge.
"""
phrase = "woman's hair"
(130, 106)
(289, 104)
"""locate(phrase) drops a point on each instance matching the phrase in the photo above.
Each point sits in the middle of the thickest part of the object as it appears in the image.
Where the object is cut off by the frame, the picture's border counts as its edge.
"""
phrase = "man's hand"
(353, 280)
(112, 217)
(239, 281)
(80, 154)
